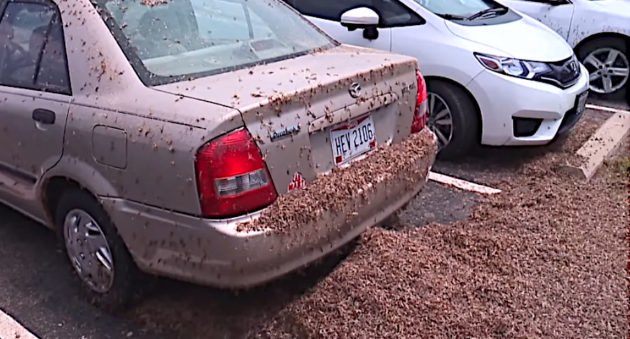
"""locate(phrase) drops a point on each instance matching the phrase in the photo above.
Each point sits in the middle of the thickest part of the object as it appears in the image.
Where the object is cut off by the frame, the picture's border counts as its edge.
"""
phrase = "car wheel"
(607, 62)
(453, 118)
(96, 252)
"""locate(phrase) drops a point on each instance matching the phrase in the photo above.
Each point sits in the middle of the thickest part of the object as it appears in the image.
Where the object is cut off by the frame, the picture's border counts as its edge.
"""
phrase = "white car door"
(557, 15)
(326, 14)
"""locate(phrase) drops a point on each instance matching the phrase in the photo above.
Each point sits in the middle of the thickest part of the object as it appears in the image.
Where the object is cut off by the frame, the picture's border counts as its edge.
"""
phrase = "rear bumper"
(214, 253)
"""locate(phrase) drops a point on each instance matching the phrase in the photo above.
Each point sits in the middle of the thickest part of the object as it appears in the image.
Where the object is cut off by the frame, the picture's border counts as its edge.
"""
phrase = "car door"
(34, 97)
(558, 15)
(326, 14)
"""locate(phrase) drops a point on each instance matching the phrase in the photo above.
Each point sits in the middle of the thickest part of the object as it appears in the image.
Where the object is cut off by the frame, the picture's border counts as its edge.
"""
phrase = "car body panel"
(495, 92)
(35, 147)
(557, 18)
(200, 250)
(309, 95)
(580, 19)
(524, 39)
(407, 39)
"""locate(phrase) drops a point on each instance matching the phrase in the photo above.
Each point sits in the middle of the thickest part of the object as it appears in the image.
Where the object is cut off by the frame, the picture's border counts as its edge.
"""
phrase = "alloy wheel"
(89, 250)
(609, 70)
(440, 120)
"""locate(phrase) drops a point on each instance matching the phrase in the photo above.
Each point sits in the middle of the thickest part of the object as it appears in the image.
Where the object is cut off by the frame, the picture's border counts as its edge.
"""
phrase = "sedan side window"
(33, 55)
(392, 13)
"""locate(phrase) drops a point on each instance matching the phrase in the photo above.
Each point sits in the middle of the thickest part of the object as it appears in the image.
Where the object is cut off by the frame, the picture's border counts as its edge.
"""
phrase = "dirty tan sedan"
(224, 142)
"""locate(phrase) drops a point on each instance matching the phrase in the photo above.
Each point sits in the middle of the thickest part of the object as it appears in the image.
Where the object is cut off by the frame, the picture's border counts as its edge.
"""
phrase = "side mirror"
(362, 18)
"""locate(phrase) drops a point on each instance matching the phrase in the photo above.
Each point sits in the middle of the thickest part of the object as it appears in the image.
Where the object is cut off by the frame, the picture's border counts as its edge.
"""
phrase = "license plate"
(581, 103)
(352, 140)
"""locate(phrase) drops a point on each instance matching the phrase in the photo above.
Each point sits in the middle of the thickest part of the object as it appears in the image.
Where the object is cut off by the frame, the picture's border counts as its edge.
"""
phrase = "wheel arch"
(470, 96)
(53, 189)
(602, 35)
(122, 290)
(67, 175)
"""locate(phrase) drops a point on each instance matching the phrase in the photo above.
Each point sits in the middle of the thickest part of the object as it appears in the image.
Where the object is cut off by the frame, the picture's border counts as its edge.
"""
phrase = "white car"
(494, 76)
(599, 32)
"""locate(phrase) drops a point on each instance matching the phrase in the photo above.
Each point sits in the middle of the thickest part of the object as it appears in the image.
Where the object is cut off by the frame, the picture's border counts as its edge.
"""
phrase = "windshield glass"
(460, 8)
(167, 40)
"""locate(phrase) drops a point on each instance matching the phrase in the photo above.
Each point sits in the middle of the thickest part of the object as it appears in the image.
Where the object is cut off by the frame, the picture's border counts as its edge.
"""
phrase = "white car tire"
(464, 115)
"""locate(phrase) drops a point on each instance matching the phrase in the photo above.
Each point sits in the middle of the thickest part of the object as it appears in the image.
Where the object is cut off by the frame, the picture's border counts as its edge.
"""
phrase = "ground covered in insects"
(545, 258)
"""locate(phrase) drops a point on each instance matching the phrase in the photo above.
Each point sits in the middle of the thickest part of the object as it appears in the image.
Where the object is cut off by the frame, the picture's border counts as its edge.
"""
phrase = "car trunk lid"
(316, 112)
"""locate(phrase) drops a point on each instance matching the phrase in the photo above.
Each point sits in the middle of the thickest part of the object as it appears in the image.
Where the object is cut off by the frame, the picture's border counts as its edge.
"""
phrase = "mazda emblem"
(355, 90)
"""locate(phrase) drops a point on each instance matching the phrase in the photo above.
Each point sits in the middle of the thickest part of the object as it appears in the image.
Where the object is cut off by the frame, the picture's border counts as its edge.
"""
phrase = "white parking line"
(462, 184)
(607, 109)
(11, 329)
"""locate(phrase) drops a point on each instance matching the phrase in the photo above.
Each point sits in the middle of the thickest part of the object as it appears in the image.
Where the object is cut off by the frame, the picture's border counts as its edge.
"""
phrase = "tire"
(598, 48)
(121, 287)
(464, 115)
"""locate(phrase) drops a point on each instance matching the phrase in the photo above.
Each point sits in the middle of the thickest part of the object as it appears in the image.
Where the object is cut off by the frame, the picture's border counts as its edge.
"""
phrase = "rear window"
(171, 40)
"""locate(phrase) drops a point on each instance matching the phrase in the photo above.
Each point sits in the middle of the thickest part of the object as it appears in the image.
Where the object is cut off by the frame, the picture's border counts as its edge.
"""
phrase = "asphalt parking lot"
(38, 289)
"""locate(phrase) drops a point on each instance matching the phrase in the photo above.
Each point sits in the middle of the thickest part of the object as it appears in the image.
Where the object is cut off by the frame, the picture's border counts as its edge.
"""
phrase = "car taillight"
(421, 114)
(232, 177)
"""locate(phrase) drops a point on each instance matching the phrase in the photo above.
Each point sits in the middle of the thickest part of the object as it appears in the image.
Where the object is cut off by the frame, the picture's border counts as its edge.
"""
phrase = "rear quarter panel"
(119, 154)
(123, 139)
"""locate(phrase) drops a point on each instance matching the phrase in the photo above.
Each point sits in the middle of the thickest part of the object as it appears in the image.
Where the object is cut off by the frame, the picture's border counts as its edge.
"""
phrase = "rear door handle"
(44, 116)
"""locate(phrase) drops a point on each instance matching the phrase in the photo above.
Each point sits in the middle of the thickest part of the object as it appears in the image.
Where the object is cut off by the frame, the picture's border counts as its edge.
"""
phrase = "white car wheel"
(608, 65)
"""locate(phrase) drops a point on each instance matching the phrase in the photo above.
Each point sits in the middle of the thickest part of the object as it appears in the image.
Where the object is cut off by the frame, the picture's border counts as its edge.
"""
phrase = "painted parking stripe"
(607, 109)
(462, 184)
(11, 329)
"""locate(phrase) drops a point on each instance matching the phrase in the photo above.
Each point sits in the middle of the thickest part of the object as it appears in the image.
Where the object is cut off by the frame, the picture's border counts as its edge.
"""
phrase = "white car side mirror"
(361, 17)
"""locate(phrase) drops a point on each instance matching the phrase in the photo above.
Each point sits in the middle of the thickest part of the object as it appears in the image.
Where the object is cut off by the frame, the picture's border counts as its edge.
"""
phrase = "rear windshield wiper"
(495, 11)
